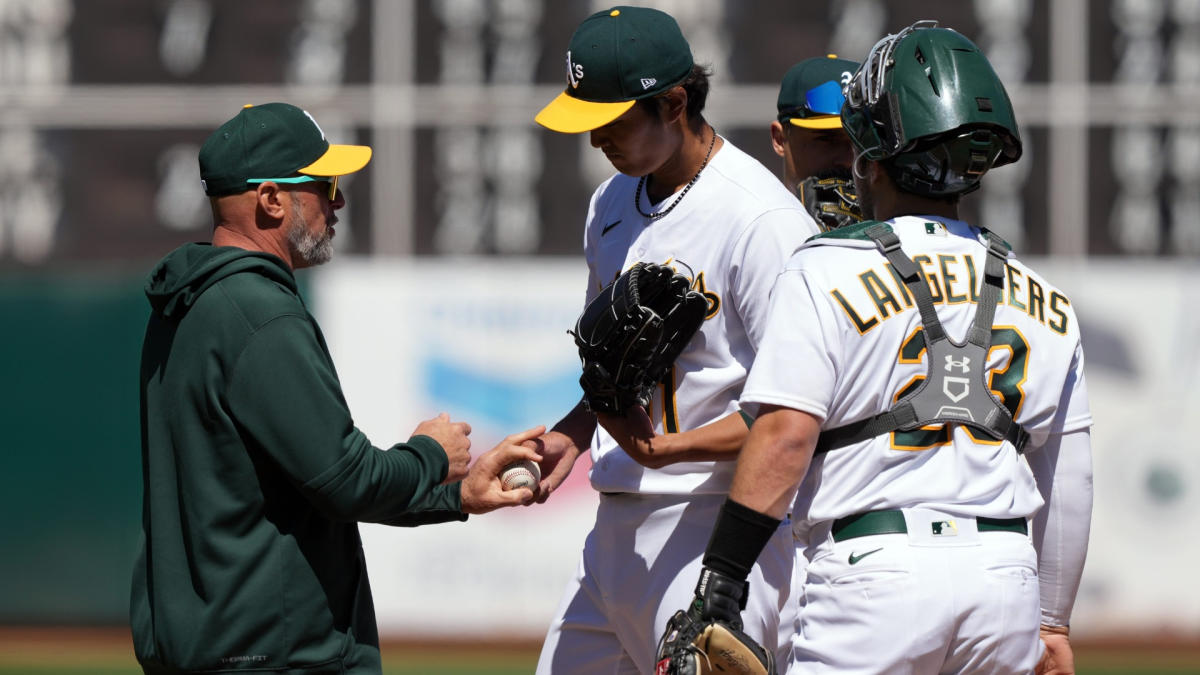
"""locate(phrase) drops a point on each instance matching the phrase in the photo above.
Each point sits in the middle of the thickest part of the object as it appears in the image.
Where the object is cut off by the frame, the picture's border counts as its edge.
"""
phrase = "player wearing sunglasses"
(807, 133)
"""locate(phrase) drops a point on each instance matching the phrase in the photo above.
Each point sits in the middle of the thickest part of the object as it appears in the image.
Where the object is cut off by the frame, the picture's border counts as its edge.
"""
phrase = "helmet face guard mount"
(927, 104)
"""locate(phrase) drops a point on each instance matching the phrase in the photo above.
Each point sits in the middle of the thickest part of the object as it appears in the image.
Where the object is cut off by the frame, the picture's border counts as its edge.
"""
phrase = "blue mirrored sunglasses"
(825, 99)
(332, 180)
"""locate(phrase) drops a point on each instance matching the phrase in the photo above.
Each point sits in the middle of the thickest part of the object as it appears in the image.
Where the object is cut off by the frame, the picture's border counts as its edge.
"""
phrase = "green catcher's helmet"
(927, 105)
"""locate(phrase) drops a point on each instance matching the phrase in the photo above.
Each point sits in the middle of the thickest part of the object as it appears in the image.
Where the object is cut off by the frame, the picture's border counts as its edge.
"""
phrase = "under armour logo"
(964, 365)
(648, 82)
(574, 72)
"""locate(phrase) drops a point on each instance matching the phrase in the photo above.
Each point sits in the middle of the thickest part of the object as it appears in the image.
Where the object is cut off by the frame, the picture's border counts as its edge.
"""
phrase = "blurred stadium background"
(459, 269)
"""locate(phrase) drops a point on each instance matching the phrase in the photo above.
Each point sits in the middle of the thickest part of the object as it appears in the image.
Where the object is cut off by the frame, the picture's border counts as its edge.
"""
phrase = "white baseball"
(525, 473)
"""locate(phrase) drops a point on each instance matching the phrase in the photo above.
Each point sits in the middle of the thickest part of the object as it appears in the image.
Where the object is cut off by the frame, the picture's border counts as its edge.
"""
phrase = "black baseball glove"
(831, 199)
(707, 638)
(630, 334)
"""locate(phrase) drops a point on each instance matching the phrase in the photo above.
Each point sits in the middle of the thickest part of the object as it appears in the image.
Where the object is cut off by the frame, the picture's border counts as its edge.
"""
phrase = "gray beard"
(311, 249)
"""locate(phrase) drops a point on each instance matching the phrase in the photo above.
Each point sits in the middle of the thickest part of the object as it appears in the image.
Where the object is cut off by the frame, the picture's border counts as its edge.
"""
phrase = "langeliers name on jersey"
(952, 279)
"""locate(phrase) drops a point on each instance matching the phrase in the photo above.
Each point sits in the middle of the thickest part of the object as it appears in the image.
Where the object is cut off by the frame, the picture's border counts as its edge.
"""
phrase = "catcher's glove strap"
(930, 403)
(892, 522)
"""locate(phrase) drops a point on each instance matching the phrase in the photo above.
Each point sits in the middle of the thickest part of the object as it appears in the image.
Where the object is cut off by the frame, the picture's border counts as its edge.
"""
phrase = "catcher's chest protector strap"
(955, 391)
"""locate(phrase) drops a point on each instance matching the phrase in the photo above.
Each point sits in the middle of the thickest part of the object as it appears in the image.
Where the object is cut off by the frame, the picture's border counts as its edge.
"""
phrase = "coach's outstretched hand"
(482, 491)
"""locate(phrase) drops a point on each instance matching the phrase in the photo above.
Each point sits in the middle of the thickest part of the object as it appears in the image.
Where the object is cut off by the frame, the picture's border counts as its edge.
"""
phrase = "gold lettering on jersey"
(714, 300)
(1060, 325)
(882, 293)
(879, 293)
(1036, 309)
(948, 277)
(1014, 287)
(862, 326)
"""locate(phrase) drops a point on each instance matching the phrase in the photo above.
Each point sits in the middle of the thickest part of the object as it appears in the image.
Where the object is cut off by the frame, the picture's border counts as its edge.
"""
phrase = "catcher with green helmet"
(934, 546)
(929, 107)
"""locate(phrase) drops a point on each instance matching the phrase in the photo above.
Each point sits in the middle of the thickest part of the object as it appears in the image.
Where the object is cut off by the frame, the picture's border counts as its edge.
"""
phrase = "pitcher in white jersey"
(920, 399)
(688, 198)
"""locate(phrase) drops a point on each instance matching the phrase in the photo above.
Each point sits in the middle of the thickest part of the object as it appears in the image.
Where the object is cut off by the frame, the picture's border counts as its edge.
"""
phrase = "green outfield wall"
(70, 488)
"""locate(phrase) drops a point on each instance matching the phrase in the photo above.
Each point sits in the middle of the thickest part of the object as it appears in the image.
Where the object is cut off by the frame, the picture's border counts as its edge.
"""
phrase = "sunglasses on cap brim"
(332, 180)
(823, 99)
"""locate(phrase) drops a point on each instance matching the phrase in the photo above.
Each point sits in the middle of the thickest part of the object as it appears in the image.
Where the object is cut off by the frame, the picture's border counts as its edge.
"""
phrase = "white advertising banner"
(1140, 323)
(485, 340)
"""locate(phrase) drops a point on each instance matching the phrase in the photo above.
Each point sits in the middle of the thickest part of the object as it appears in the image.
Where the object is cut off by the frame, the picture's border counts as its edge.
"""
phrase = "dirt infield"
(105, 651)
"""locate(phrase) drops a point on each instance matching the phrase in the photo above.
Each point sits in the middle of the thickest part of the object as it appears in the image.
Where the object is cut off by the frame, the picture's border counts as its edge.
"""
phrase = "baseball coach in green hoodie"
(254, 475)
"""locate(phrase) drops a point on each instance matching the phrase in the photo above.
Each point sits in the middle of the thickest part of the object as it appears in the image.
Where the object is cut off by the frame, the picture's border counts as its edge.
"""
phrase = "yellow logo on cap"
(615, 12)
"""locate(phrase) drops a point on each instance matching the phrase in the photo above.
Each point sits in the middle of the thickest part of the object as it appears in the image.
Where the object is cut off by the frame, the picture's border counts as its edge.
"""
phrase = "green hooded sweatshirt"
(254, 478)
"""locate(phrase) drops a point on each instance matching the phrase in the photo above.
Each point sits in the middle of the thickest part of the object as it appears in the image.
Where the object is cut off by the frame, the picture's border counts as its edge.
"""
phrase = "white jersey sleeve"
(756, 260)
(800, 330)
(1062, 466)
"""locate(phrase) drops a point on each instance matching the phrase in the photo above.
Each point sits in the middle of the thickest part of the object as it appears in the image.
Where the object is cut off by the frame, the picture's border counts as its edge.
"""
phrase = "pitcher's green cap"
(272, 140)
(616, 57)
(811, 93)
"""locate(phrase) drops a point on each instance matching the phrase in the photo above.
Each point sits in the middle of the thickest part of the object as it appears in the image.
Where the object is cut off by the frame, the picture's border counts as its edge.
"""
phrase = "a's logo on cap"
(314, 121)
(574, 72)
(648, 82)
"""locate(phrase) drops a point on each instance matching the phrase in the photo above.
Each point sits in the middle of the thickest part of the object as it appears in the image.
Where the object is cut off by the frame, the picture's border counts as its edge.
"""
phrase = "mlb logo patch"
(936, 229)
(944, 528)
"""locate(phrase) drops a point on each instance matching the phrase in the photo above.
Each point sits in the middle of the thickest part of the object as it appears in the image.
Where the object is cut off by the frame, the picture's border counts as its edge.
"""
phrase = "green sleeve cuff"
(431, 451)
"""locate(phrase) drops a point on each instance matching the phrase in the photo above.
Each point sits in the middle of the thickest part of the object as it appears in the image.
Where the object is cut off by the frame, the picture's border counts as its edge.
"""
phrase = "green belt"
(892, 522)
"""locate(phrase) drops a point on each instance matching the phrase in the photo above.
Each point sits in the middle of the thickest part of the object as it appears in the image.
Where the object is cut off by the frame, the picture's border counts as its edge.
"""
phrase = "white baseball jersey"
(732, 233)
(843, 343)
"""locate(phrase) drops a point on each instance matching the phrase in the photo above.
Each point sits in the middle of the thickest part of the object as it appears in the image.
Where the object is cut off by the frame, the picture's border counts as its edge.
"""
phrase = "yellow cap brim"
(339, 160)
(569, 115)
(820, 122)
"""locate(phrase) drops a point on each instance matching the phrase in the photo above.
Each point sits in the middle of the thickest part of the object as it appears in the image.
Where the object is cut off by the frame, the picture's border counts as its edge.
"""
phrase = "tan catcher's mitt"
(696, 646)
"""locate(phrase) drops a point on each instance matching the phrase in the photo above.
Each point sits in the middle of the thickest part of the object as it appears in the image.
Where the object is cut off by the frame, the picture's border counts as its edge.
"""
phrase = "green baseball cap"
(811, 93)
(270, 141)
(616, 57)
